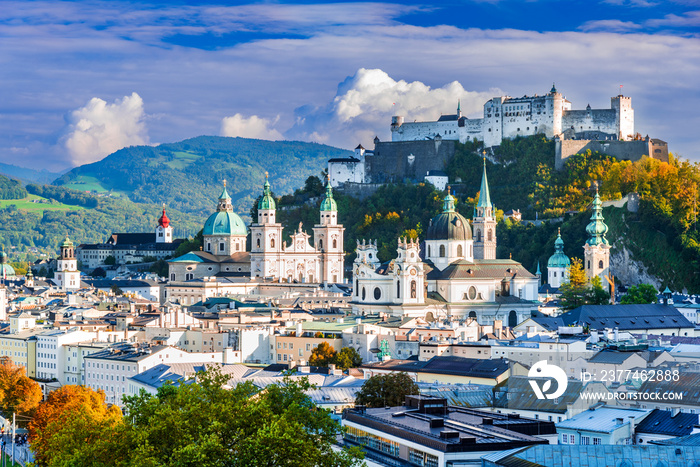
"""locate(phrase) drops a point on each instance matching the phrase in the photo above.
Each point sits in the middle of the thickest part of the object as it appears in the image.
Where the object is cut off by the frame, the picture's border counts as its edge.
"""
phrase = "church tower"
(596, 250)
(409, 282)
(328, 239)
(558, 264)
(164, 231)
(67, 276)
(484, 223)
(266, 238)
(224, 231)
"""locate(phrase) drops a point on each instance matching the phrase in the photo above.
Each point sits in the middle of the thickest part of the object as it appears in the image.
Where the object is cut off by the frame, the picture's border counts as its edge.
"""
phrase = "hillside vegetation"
(188, 175)
(662, 234)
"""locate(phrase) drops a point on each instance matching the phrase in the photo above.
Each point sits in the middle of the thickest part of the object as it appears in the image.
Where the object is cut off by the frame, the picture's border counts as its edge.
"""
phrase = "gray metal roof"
(604, 455)
(603, 419)
(612, 357)
(663, 422)
(627, 317)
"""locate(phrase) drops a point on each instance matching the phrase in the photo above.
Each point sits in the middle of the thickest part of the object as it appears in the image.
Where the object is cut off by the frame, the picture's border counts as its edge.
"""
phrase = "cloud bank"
(366, 101)
(250, 127)
(99, 128)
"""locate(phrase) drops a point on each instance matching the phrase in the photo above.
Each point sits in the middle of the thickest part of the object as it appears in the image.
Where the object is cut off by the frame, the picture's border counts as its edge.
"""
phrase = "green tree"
(110, 260)
(160, 267)
(389, 390)
(575, 290)
(642, 293)
(597, 294)
(206, 425)
(348, 357)
(322, 355)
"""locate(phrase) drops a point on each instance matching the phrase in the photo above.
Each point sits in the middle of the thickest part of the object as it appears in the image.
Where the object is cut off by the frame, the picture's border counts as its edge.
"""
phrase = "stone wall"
(407, 160)
(624, 150)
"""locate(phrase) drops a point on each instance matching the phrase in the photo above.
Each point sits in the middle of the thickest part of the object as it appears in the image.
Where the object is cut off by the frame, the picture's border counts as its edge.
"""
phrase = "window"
(364, 294)
(320, 244)
(398, 289)
(459, 250)
(272, 243)
(564, 439)
(377, 293)
(221, 246)
(442, 251)
(596, 440)
(257, 243)
(490, 235)
(600, 264)
(335, 243)
(585, 440)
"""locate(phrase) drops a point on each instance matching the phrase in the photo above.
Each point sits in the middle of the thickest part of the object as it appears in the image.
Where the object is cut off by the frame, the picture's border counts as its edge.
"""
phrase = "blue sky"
(82, 79)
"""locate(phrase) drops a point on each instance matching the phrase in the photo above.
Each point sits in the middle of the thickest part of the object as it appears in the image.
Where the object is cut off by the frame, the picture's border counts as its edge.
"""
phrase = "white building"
(67, 276)
(51, 355)
(509, 117)
(348, 169)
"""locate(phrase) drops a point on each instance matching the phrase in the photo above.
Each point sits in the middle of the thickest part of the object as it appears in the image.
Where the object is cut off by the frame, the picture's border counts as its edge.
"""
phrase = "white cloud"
(365, 102)
(612, 25)
(250, 127)
(99, 128)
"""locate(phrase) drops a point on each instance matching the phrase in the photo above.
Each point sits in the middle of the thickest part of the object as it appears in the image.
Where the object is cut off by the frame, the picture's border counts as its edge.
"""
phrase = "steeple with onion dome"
(558, 264)
(164, 231)
(266, 206)
(596, 250)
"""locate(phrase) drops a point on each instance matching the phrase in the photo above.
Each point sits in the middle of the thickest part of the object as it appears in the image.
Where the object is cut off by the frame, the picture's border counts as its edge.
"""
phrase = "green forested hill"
(188, 175)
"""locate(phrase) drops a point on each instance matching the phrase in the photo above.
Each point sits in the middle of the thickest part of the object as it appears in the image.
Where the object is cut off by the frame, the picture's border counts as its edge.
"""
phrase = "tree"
(596, 293)
(575, 289)
(74, 426)
(110, 260)
(322, 355)
(99, 272)
(18, 393)
(388, 390)
(160, 267)
(204, 424)
(348, 357)
(642, 293)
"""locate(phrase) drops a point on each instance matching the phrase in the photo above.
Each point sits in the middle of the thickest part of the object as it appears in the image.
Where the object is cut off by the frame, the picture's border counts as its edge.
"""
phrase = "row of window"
(372, 441)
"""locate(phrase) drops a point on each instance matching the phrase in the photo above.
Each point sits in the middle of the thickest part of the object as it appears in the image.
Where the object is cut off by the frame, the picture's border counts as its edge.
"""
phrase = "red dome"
(164, 221)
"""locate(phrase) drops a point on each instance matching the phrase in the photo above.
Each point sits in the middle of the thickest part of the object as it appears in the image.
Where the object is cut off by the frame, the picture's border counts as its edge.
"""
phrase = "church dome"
(558, 259)
(224, 223)
(328, 203)
(449, 225)
(6, 269)
(267, 202)
(164, 221)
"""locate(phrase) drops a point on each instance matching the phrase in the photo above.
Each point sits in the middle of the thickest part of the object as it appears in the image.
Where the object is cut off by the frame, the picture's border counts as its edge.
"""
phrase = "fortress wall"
(392, 162)
(624, 150)
(417, 131)
(602, 120)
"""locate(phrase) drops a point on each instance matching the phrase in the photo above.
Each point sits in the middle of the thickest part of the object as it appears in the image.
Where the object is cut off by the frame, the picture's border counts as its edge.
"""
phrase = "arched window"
(478, 235)
(472, 314)
(588, 264)
(257, 243)
(459, 250)
(364, 294)
(442, 251)
(272, 243)
(320, 244)
(600, 264)
(357, 287)
(398, 289)
(490, 235)
(429, 253)
(413, 289)
(335, 243)
(512, 319)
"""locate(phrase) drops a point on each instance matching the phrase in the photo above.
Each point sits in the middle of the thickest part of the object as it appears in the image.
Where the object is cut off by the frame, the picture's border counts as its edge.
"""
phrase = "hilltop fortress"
(605, 130)
(417, 148)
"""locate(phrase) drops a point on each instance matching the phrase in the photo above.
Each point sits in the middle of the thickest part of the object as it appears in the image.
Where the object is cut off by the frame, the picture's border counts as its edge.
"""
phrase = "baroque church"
(304, 260)
(457, 276)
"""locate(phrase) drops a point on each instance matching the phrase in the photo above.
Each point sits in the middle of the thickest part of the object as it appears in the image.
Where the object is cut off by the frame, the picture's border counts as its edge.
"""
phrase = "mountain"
(28, 175)
(188, 175)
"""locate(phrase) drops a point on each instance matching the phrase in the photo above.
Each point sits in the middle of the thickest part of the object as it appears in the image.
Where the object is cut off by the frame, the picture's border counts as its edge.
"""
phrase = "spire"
(538, 273)
(224, 201)
(559, 243)
(484, 196)
(448, 204)
(267, 201)
(558, 259)
(554, 89)
(459, 108)
(597, 229)
(328, 203)
(164, 221)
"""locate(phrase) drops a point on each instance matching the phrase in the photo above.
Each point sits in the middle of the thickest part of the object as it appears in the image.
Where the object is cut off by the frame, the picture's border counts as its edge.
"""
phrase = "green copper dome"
(225, 223)
(267, 201)
(450, 225)
(558, 259)
(597, 229)
(6, 269)
(66, 243)
(328, 203)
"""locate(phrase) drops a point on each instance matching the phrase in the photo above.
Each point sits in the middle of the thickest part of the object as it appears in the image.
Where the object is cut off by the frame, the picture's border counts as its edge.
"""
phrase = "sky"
(83, 79)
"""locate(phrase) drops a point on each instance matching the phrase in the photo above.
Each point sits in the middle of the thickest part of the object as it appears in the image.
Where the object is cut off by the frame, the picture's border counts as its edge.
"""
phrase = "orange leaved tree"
(18, 393)
(74, 426)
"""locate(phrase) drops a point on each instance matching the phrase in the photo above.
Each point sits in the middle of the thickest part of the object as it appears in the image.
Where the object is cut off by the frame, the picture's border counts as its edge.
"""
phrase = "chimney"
(497, 328)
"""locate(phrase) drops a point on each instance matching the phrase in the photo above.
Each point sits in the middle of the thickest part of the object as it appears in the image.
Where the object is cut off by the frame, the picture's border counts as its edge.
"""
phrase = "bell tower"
(328, 239)
(266, 238)
(164, 231)
(67, 276)
(596, 250)
(484, 223)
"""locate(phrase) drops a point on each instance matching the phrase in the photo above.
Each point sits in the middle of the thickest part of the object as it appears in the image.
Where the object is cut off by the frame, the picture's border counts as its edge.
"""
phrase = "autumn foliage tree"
(18, 393)
(322, 355)
(74, 426)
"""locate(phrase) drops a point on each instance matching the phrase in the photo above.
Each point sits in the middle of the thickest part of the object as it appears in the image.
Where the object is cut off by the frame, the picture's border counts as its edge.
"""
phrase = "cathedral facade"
(456, 276)
(305, 259)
